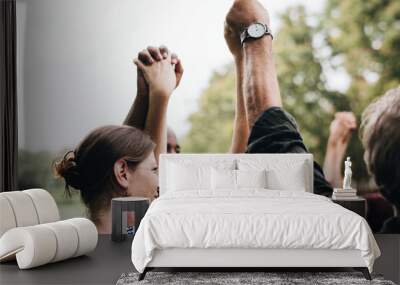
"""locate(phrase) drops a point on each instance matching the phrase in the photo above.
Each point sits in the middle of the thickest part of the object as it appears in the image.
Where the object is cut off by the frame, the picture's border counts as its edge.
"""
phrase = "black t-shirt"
(276, 131)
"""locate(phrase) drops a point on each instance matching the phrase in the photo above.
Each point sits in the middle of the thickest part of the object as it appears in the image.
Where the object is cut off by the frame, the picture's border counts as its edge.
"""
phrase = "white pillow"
(223, 179)
(251, 178)
(226, 179)
(188, 177)
(290, 179)
(281, 174)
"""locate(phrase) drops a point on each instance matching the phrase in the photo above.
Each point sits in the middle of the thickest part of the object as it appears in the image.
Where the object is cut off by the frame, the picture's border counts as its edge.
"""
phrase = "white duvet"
(250, 219)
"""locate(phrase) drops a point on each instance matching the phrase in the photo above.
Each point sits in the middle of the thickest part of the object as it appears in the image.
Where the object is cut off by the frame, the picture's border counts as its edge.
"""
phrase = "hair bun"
(69, 170)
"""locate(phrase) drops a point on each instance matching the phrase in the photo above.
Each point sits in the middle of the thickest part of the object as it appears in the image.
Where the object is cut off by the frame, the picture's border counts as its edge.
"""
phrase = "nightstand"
(357, 205)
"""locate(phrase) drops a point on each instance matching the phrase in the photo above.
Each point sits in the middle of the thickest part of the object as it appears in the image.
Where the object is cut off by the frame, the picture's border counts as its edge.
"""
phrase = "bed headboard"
(279, 162)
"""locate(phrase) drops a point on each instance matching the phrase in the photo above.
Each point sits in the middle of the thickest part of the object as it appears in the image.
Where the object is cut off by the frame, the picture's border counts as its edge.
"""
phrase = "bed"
(247, 210)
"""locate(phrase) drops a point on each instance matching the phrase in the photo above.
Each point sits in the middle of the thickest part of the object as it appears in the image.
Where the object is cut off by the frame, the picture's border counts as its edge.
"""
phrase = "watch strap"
(245, 35)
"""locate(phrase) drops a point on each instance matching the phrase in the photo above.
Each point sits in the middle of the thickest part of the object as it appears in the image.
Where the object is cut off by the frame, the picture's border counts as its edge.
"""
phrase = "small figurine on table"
(347, 192)
(347, 175)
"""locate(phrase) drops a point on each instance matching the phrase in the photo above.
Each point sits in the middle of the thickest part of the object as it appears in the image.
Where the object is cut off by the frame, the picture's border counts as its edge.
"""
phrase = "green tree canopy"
(211, 126)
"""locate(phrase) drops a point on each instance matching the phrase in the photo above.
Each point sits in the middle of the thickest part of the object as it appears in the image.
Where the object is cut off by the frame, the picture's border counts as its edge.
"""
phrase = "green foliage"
(367, 35)
(302, 82)
(364, 39)
(212, 125)
(360, 39)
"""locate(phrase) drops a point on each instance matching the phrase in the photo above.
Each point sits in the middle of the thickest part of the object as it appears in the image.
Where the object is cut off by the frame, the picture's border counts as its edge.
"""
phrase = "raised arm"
(256, 80)
(162, 77)
(138, 112)
(241, 129)
(340, 133)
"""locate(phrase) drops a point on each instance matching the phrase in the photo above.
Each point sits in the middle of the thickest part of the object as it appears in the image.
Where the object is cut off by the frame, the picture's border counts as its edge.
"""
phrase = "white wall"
(76, 72)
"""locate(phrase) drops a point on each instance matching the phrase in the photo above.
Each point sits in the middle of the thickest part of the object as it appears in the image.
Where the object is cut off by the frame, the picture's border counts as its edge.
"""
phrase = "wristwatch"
(255, 31)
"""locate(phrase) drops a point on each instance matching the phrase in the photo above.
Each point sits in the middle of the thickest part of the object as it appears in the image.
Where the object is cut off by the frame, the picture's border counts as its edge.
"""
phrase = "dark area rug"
(225, 278)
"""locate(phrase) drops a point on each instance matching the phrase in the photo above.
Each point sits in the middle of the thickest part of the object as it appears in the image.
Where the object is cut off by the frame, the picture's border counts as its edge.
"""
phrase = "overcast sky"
(75, 66)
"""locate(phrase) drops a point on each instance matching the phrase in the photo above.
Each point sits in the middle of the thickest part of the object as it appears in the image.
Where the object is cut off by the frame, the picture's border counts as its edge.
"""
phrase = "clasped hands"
(159, 71)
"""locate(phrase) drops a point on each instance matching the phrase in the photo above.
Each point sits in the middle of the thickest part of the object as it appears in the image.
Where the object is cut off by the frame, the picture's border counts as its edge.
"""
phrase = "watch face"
(256, 30)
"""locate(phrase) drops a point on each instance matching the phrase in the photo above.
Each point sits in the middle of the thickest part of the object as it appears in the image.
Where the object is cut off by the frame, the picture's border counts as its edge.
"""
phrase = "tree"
(364, 42)
(211, 126)
(303, 82)
(365, 35)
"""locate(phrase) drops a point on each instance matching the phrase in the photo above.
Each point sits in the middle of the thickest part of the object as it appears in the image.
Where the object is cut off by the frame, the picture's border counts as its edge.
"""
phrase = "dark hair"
(380, 133)
(89, 168)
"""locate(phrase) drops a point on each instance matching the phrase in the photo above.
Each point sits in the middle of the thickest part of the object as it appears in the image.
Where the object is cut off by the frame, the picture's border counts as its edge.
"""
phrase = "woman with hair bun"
(114, 161)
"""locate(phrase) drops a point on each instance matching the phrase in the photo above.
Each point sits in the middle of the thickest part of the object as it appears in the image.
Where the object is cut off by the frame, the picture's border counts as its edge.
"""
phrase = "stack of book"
(344, 194)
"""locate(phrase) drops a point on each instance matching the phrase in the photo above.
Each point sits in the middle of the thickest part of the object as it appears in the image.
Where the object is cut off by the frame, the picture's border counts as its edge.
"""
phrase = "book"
(349, 195)
(345, 194)
(346, 198)
(340, 190)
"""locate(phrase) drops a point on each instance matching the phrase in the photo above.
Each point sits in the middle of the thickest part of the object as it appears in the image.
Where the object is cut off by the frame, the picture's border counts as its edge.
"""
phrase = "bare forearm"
(156, 122)
(333, 162)
(260, 81)
(138, 112)
(240, 126)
